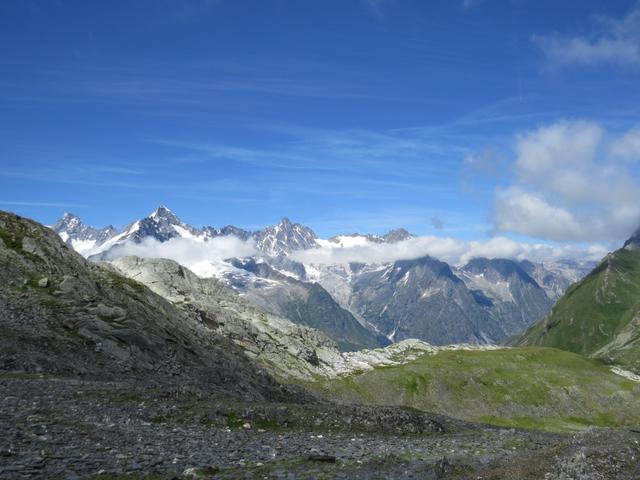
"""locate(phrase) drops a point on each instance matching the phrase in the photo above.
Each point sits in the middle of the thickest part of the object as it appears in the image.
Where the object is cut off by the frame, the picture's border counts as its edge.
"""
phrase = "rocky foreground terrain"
(69, 428)
(102, 377)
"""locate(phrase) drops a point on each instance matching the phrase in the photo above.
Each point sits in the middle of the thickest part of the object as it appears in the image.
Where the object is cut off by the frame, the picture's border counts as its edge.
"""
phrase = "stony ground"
(57, 428)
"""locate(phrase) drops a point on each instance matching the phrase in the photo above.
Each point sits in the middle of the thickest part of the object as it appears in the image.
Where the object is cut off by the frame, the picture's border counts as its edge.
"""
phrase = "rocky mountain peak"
(80, 236)
(392, 236)
(498, 269)
(285, 237)
(67, 222)
(397, 235)
(69, 217)
(231, 230)
(163, 215)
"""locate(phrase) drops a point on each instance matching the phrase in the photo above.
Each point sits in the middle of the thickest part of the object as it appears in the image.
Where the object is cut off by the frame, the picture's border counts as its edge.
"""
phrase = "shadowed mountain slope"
(62, 315)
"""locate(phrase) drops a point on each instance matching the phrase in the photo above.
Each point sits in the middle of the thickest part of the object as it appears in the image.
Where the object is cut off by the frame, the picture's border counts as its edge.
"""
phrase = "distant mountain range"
(274, 241)
(358, 305)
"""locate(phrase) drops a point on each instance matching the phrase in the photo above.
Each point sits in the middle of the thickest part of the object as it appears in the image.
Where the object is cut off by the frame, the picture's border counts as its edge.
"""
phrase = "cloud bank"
(574, 181)
(450, 250)
(611, 41)
(206, 258)
(189, 252)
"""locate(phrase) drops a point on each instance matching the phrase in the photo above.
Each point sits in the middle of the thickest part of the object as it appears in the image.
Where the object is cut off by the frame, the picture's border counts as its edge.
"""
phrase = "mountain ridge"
(599, 316)
(63, 315)
(495, 297)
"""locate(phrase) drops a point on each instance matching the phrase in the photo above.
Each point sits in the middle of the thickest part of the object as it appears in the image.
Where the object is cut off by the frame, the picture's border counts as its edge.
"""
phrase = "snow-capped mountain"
(82, 238)
(285, 237)
(352, 239)
(273, 241)
(483, 301)
(357, 304)
(163, 225)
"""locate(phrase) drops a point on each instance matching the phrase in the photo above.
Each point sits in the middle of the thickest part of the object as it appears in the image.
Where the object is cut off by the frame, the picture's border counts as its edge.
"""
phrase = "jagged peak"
(404, 231)
(392, 236)
(397, 235)
(286, 225)
(68, 221)
(161, 210)
(165, 213)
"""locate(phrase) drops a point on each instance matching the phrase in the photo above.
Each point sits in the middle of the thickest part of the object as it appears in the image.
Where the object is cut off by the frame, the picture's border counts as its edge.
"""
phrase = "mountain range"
(64, 315)
(100, 357)
(359, 305)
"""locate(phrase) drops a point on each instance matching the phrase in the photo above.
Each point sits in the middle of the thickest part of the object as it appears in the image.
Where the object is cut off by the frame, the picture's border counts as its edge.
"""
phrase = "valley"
(131, 367)
(370, 304)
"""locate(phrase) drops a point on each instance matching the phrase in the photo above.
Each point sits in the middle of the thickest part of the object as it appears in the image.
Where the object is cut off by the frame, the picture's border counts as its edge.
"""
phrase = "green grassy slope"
(527, 387)
(598, 316)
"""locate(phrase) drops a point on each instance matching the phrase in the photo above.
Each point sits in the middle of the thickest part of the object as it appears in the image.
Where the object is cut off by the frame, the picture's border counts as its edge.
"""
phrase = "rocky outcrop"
(284, 348)
(62, 315)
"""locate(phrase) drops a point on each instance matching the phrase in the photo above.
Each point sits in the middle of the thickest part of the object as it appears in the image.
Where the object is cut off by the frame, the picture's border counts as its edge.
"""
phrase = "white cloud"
(569, 186)
(529, 214)
(628, 145)
(612, 41)
(208, 258)
(562, 147)
(447, 249)
(502, 247)
(190, 252)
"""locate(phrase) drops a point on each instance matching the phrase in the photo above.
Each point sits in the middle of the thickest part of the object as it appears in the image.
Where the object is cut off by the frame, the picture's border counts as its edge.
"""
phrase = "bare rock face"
(303, 303)
(285, 237)
(77, 235)
(286, 349)
(62, 315)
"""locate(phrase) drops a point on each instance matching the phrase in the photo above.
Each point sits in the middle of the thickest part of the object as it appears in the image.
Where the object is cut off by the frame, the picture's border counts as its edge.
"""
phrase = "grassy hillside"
(527, 387)
(597, 316)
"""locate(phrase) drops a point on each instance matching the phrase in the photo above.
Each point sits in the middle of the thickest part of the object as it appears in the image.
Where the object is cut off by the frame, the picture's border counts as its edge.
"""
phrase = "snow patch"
(626, 374)
(346, 241)
(184, 233)
(83, 246)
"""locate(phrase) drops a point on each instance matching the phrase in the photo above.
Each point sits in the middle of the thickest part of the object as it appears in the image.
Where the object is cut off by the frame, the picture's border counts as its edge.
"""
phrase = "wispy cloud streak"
(613, 41)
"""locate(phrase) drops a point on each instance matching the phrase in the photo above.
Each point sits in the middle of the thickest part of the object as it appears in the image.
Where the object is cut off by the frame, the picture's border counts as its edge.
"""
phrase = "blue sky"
(463, 119)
